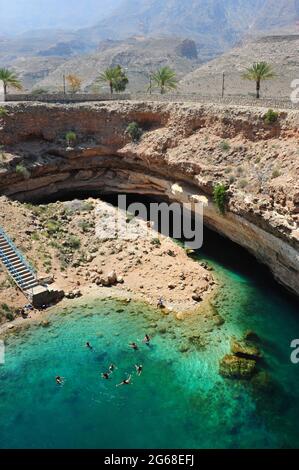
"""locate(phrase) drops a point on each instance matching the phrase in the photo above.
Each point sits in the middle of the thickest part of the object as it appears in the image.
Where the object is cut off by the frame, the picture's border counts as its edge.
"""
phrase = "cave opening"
(216, 248)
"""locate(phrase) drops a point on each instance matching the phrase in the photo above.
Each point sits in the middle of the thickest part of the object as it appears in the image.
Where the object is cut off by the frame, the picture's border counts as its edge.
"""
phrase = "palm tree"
(115, 77)
(9, 79)
(164, 79)
(257, 72)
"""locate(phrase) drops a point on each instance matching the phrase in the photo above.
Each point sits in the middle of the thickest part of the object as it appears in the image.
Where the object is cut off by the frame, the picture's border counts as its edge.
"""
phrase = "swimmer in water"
(125, 382)
(112, 367)
(146, 339)
(88, 345)
(138, 369)
(133, 346)
(59, 380)
(105, 375)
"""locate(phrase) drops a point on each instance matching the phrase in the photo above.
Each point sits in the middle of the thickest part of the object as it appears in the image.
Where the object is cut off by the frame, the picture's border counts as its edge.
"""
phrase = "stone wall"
(68, 98)
(227, 100)
(177, 97)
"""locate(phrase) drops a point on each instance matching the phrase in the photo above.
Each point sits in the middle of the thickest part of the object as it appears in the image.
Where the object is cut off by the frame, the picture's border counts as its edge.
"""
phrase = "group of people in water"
(106, 375)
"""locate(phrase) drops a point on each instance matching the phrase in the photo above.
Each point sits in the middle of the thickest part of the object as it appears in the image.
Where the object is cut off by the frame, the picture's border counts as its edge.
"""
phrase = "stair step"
(30, 285)
(7, 251)
(11, 256)
(16, 266)
(13, 263)
(26, 275)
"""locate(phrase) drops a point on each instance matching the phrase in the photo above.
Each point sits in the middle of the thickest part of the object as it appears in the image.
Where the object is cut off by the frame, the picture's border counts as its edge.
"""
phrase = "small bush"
(85, 226)
(275, 173)
(243, 183)
(70, 138)
(3, 112)
(271, 116)
(220, 197)
(224, 145)
(155, 242)
(22, 170)
(134, 131)
(74, 242)
(52, 226)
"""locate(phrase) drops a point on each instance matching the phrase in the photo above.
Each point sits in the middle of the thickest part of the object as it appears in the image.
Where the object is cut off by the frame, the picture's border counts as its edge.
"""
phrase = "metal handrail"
(12, 271)
(17, 252)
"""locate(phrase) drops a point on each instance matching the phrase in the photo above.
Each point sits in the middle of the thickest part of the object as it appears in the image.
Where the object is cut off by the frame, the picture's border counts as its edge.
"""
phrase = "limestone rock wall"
(194, 146)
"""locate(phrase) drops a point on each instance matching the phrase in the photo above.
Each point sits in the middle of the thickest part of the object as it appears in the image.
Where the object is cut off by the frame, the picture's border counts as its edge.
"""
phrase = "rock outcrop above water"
(184, 151)
(234, 367)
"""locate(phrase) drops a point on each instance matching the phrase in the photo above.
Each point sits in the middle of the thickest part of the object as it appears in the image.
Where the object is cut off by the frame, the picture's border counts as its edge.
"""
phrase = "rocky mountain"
(139, 56)
(277, 15)
(215, 25)
(279, 50)
(19, 16)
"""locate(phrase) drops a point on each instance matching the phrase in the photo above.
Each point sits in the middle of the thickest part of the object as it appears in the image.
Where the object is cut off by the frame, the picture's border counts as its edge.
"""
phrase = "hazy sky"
(23, 15)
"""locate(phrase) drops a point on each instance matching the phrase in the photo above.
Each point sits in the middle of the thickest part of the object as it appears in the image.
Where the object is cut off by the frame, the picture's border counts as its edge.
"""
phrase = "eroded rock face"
(184, 151)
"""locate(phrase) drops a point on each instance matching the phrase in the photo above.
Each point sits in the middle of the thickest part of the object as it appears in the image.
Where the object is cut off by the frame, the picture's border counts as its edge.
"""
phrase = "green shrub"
(220, 197)
(224, 145)
(73, 242)
(134, 131)
(22, 170)
(85, 226)
(275, 173)
(70, 138)
(7, 312)
(5, 308)
(52, 226)
(271, 116)
(243, 183)
(155, 241)
(3, 112)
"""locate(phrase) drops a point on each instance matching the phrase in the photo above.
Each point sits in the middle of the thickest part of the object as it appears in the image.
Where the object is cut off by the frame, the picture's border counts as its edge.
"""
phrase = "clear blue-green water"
(179, 401)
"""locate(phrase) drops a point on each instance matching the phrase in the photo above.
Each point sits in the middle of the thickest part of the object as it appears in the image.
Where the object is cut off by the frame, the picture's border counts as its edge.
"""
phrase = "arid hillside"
(281, 51)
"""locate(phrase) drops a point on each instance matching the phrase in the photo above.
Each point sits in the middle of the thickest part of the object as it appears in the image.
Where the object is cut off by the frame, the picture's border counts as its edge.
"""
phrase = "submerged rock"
(251, 336)
(234, 367)
(184, 347)
(218, 320)
(245, 350)
(197, 341)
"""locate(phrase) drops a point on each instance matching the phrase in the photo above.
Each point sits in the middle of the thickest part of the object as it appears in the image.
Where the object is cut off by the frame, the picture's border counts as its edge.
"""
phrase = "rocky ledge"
(185, 149)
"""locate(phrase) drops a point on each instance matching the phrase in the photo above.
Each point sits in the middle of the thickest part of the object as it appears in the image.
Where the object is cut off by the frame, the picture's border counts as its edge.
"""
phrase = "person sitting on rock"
(160, 303)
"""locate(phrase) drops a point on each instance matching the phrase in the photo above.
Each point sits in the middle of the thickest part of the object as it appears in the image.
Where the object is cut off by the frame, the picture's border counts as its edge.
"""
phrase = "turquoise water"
(179, 401)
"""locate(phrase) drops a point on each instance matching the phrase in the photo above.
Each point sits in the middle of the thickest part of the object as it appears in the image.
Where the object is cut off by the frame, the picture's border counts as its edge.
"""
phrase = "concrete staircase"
(18, 268)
